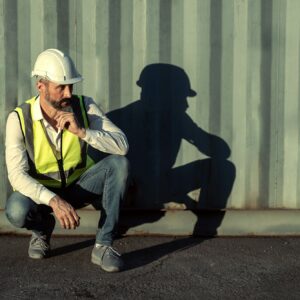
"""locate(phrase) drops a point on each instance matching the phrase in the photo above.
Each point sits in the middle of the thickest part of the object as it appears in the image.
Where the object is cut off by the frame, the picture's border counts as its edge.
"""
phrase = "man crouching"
(47, 142)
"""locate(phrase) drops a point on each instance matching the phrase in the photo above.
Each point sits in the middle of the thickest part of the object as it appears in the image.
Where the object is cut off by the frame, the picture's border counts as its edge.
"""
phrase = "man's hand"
(64, 212)
(68, 120)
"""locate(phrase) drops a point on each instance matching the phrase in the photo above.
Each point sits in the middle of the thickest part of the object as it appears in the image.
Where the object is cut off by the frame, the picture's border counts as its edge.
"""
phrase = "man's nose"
(68, 91)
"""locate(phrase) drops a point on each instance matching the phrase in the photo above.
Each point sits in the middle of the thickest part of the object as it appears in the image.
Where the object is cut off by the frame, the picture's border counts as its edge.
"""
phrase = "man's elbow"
(124, 150)
(123, 146)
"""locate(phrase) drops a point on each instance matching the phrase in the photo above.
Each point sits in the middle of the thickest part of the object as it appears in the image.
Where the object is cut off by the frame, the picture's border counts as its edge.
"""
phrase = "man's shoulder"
(26, 102)
(12, 117)
(86, 98)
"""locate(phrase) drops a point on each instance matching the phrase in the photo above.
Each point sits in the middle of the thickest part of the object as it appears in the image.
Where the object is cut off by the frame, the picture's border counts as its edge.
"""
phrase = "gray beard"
(56, 104)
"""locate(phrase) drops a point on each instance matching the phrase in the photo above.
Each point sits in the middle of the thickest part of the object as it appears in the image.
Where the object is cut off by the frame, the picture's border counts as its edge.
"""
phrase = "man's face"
(56, 95)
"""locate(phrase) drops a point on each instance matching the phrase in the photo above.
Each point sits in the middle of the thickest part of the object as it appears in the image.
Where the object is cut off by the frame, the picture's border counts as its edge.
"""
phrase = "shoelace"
(108, 248)
(40, 241)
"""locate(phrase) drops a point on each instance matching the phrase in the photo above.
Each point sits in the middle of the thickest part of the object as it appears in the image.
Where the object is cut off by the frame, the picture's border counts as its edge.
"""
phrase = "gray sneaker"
(107, 258)
(38, 246)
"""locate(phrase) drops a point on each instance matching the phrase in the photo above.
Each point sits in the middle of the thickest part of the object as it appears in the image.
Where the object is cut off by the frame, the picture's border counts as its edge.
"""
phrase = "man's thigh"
(89, 188)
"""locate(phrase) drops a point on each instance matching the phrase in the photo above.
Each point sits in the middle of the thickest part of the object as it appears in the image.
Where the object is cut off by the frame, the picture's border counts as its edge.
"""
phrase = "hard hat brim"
(69, 81)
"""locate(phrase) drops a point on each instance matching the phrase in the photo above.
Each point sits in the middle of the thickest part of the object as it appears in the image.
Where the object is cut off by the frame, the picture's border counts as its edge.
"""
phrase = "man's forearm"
(108, 142)
(30, 187)
(103, 134)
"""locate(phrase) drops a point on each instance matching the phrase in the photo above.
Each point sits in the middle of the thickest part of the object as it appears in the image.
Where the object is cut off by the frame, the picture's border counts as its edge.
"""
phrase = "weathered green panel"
(3, 186)
(242, 59)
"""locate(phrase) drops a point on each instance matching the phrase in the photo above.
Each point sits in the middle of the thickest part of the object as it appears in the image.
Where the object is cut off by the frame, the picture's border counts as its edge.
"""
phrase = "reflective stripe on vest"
(43, 163)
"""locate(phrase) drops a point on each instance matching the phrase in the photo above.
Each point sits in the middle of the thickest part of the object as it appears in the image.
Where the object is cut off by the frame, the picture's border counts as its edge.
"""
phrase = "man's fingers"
(61, 114)
(64, 116)
(65, 213)
(75, 216)
(61, 122)
(71, 222)
(66, 120)
(71, 219)
(62, 223)
(67, 221)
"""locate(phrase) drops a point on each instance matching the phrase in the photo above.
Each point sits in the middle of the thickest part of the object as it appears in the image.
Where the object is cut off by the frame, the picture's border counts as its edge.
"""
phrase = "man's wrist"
(82, 133)
(53, 201)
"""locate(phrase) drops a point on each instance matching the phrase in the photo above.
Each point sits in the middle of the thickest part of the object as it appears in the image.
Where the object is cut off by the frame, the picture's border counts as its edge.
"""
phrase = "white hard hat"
(57, 67)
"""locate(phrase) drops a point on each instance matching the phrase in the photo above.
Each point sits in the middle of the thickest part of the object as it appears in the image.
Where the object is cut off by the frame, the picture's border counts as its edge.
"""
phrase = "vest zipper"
(61, 165)
(61, 172)
(58, 156)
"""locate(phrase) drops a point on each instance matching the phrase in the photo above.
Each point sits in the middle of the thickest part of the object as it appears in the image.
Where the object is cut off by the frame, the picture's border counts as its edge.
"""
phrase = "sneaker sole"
(33, 256)
(39, 256)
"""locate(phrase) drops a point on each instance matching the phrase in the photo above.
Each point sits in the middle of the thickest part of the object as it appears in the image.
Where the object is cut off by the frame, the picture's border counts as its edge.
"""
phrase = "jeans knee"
(16, 213)
(120, 165)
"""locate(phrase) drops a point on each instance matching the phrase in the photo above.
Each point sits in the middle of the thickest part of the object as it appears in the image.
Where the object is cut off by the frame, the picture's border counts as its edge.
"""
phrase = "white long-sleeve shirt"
(102, 134)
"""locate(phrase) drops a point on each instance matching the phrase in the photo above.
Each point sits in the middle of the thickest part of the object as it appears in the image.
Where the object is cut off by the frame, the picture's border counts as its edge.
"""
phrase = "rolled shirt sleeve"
(102, 134)
(17, 164)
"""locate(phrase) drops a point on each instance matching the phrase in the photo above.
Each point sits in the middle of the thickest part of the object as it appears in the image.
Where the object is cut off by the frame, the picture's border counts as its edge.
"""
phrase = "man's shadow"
(155, 126)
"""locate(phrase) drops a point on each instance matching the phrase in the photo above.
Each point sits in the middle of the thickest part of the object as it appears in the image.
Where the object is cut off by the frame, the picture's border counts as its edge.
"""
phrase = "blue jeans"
(103, 186)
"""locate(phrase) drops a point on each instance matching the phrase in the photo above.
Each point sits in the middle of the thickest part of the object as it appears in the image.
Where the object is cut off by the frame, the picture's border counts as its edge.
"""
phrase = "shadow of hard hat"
(166, 75)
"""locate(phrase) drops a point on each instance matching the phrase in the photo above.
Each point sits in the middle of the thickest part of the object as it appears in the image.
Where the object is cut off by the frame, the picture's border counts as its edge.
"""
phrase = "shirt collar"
(36, 110)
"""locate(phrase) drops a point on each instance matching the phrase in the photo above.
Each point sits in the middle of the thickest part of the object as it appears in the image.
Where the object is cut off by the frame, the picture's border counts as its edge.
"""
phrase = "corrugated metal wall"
(241, 57)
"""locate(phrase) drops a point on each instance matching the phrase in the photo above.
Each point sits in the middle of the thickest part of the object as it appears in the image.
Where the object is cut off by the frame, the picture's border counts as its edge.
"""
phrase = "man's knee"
(16, 211)
(120, 165)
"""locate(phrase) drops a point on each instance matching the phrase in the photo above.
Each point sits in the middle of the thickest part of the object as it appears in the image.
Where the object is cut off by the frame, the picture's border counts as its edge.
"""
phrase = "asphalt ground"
(156, 268)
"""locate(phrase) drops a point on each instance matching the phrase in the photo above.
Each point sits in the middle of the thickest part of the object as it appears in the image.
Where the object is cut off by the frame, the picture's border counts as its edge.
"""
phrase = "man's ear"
(40, 86)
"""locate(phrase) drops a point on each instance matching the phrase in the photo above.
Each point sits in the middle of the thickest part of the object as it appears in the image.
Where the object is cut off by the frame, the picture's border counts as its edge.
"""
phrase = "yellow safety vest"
(50, 167)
